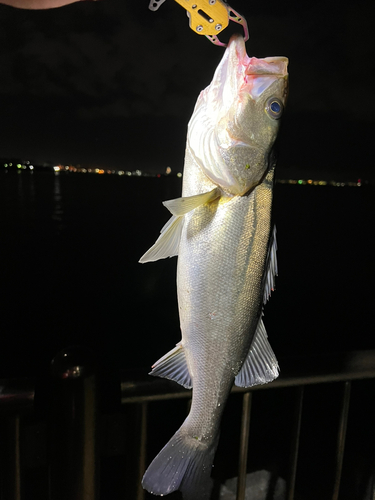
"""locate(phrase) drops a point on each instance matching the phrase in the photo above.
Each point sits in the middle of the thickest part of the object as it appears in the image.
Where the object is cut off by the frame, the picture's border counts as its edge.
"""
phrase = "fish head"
(237, 117)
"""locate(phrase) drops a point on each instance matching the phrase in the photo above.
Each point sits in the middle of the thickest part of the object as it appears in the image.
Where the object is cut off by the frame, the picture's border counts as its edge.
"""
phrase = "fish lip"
(274, 65)
(239, 41)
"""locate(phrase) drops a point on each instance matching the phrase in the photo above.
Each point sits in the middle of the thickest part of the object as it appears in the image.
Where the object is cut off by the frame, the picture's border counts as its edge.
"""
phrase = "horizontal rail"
(17, 395)
(299, 371)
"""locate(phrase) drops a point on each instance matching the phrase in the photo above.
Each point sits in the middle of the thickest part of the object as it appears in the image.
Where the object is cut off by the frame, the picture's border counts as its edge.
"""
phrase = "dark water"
(70, 245)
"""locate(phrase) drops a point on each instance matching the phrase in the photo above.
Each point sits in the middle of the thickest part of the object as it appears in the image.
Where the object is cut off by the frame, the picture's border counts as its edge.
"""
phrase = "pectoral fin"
(181, 206)
(168, 242)
(173, 366)
(260, 366)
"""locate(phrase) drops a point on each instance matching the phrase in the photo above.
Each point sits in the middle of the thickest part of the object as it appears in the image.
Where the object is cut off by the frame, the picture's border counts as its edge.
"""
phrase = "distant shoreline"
(28, 167)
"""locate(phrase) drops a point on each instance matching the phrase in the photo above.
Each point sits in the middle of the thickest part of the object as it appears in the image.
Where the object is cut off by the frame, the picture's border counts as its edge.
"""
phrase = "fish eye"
(274, 108)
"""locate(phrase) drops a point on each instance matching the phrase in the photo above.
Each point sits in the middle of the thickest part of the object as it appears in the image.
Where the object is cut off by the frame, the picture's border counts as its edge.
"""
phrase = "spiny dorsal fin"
(260, 365)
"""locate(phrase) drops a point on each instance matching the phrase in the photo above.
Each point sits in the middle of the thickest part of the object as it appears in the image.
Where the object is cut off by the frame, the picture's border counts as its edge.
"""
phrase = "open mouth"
(276, 66)
(257, 74)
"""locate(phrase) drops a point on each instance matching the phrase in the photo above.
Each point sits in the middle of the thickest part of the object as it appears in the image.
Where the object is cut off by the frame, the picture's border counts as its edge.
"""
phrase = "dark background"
(110, 82)
(113, 84)
(70, 272)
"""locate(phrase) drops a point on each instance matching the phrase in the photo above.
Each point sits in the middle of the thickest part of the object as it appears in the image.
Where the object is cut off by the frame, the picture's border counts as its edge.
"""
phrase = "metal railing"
(72, 425)
(66, 433)
(342, 368)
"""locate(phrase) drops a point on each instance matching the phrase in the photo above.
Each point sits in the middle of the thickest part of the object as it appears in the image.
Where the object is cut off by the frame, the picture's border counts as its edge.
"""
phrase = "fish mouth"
(276, 65)
(257, 74)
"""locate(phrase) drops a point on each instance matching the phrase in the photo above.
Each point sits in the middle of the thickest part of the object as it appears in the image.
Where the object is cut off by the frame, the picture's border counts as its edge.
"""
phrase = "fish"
(221, 229)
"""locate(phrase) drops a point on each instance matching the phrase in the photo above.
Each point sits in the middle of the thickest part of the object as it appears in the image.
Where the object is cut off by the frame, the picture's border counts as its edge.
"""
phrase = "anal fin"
(173, 366)
(260, 365)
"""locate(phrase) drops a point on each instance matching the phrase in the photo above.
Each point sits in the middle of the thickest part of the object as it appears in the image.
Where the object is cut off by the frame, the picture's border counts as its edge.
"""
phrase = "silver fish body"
(223, 248)
(221, 231)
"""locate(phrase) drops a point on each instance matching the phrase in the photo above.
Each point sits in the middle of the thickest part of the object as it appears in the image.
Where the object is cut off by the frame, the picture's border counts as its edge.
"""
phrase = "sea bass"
(221, 231)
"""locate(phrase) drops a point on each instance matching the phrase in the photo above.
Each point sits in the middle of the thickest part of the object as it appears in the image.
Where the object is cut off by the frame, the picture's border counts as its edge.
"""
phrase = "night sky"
(112, 84)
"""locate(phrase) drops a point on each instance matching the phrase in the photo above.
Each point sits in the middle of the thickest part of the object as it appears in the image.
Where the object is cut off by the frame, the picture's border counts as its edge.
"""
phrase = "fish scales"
(235, 262)
(221, 231)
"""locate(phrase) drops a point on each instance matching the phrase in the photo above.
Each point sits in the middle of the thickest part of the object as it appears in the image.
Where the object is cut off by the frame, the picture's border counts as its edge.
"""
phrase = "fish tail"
(183, 464)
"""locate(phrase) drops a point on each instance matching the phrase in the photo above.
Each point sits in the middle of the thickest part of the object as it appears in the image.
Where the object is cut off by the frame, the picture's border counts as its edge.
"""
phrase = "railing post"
(73, 443)
(341, 435)
(16, 400)
(12, 476)
(295, 444)
(142, 450)
(244, 445)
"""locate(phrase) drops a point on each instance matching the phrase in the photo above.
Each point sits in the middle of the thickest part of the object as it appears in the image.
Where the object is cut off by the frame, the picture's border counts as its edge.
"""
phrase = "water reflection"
(57, 214)
(26, 196)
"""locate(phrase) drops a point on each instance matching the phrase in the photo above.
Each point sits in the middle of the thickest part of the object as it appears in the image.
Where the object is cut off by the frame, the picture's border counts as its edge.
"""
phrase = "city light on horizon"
(57, 169)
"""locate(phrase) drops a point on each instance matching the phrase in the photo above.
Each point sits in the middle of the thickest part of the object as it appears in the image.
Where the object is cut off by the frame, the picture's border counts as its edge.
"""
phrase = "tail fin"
(183, 464)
